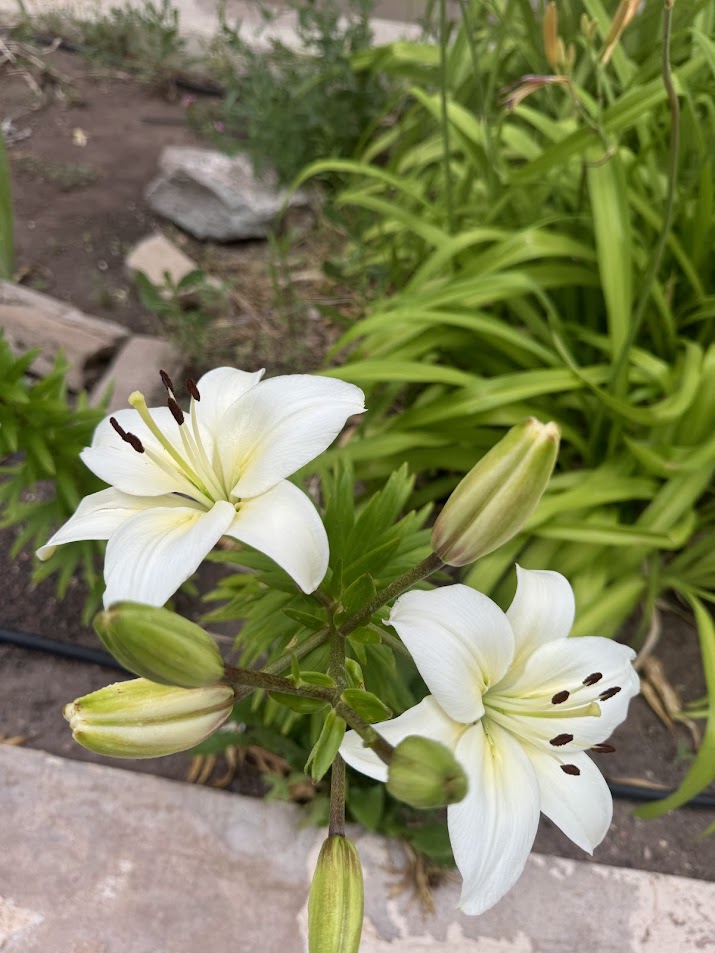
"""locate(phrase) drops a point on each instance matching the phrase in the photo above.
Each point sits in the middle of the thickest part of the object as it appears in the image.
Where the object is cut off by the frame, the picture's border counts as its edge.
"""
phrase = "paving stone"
(155, 256)
(34, 320)
(97, 859)
(136, 367)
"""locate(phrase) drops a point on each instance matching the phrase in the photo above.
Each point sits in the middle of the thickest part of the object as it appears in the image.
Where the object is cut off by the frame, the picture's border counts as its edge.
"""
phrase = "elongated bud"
(159, 645)
(551, 36)
(425, 774)
(140, 719)
(335, 906)
(498, 495)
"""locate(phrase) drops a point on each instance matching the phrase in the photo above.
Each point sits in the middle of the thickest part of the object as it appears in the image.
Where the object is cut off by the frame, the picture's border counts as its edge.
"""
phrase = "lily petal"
(594, 671)
(219, 389)
(101, 514)
(492, 830)
(115, 462)
(426, 719)
(152, 553)
(461, 642)
(581, 805)
(542, 610)
(284, 524)
(280, 425)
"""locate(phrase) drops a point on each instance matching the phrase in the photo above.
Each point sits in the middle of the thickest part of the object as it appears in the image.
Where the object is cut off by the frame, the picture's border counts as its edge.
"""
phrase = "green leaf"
(326, 747)
(702, 770)
(367, 805)
(612, 227)
(367, 705)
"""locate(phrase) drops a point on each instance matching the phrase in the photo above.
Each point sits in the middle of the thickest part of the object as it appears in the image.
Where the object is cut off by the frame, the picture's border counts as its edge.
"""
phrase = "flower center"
(193, 463)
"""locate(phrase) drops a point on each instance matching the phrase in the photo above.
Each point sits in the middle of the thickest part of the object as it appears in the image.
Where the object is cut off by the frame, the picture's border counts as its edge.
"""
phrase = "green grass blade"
(702, 770)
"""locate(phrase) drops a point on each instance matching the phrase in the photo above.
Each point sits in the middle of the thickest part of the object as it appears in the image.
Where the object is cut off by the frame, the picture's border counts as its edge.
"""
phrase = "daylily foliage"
(179, 482)
(519, 704)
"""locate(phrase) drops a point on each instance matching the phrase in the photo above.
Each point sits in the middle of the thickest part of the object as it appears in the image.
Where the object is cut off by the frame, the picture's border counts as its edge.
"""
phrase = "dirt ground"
(79, 207)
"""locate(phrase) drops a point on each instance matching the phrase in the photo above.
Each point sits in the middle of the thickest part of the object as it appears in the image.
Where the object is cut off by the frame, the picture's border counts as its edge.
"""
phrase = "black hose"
(620, 790)
(81, 653)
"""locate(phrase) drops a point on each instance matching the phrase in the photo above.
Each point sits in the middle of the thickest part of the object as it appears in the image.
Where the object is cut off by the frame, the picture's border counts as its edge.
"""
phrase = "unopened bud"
(335, 906)
(498, 495)
(159, 645)
(551, 36)
(425, 774)
(140, 719)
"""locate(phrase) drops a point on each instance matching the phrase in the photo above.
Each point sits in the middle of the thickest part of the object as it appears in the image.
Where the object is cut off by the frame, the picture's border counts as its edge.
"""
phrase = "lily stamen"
(571, 769)
(191, 388)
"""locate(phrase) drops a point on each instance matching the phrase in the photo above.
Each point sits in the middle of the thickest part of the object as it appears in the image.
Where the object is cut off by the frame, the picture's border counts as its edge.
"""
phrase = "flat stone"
(136, 366)
(101, 860)
(34, 320)
(155, 257)
(215, 196)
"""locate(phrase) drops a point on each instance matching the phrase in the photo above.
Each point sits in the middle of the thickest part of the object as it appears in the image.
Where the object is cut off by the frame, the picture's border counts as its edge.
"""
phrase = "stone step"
(98, 859)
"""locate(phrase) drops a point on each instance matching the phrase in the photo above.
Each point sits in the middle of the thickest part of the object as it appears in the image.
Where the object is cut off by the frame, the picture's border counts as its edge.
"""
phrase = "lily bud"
(140, 719)
(498, 495)
(425, 774)
(335, 906)
(159, 645)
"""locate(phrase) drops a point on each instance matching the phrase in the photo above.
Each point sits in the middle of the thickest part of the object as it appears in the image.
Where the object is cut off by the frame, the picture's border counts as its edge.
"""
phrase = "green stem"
(444, 117)
(244, 678)
(395, 589)
(336, 825)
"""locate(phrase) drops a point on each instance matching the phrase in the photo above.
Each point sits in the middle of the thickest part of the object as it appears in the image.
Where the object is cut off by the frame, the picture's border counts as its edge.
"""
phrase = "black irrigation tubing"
(619, 789)
(205, 88)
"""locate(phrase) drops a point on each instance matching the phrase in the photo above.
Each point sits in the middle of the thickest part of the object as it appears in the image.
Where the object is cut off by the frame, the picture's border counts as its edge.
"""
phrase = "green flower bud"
(335, 906)
(159, 645)
(498, 495)
(425, 774)
(140, 719)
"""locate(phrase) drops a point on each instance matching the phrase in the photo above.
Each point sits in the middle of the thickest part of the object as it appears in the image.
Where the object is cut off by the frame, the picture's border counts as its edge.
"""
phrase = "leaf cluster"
(42, 479)
(521, 249)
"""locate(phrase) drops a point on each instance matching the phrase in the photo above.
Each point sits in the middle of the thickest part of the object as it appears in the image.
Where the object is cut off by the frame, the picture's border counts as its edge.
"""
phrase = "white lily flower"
(518, 704)
(178, 483)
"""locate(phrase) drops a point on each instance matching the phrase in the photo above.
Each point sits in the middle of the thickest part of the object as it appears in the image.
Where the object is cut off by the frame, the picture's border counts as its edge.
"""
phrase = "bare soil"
(79, 207)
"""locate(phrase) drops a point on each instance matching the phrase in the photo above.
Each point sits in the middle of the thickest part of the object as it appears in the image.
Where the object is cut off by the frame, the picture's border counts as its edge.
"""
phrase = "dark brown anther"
(603, 749)
(561, 740)
(134, 442)
(192, 389)
(166, 381)
(117, 426)
(592, 679)
(609, 693)
(570, 769)
(176, 412)
(560, 697)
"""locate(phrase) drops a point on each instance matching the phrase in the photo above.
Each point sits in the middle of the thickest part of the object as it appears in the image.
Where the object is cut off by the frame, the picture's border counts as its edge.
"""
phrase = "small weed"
(288, 108)
(68, 176)
(144, 37)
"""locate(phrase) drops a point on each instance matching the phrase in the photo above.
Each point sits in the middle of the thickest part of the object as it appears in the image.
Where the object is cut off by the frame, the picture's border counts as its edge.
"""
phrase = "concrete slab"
(98, 859)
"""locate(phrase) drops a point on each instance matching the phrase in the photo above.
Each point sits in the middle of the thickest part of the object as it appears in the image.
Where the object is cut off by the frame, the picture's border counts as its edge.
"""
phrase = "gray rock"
(136, 366)
(215, 196)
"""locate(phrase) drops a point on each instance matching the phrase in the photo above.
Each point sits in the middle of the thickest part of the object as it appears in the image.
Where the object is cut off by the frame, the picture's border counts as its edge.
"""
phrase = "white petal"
(284, 524)
(542, 610)
(581, 805)
(115, 462)
(492, 830)
(527, 708)
(219, 389)
(461, 642)
(99, 515)
(280, 425)
(154, 552)
(426, 719)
